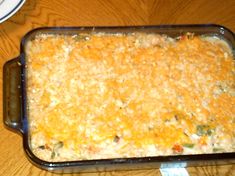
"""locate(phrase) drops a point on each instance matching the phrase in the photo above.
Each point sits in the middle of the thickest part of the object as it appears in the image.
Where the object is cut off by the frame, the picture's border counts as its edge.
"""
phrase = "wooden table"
(39, 13)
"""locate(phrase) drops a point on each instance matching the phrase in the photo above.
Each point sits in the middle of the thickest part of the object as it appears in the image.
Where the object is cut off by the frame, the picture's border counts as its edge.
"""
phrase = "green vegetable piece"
(42, 147)
(53, 154)
(204, 130)
(116, 139)
(58, 145)
(209, 132)
(218, 149)
(188, 145)
(81, 38)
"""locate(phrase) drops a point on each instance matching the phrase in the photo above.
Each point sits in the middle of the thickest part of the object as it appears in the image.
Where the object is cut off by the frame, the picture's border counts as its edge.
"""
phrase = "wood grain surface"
(39, 13)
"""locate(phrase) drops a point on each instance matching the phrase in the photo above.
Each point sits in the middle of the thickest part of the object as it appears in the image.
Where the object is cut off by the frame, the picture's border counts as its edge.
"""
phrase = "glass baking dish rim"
(112, 161)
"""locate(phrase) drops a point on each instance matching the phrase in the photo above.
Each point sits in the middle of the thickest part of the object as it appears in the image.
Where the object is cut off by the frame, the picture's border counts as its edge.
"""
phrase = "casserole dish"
(17, 99)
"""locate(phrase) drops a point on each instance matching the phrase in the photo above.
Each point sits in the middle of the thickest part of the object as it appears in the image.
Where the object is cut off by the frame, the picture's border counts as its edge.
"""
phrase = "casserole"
(17, 105)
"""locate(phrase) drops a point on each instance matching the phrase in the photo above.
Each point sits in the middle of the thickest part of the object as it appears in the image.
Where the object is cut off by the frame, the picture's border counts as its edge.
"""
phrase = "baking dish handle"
(12, 95)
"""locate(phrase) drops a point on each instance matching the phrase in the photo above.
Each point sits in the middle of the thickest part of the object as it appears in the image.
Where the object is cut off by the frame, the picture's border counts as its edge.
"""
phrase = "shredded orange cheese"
(129, 95)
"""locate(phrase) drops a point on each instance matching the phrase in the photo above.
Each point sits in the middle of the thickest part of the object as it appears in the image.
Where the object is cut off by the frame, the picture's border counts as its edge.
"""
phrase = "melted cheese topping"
(93, 96)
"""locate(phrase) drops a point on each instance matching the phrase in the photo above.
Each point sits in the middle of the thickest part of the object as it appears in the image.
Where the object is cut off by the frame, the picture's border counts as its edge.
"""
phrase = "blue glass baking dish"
(15, 102)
